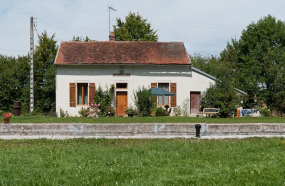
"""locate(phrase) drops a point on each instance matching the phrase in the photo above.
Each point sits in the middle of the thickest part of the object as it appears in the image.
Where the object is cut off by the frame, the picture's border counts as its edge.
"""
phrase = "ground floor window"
(82, 93)
(163, 100)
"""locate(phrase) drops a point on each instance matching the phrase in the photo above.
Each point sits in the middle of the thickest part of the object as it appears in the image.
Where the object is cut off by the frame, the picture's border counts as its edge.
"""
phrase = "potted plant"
(7, 117)
(130, 110)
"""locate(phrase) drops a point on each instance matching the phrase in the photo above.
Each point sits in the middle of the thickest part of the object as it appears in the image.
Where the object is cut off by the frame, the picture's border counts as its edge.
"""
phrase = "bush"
(159, 111)
(104, 98)
(83, 112)
(110, 111)
(221, 95)
(185, 107)
(93, 110)
(144, 101)
(177, 111)
(264, 112)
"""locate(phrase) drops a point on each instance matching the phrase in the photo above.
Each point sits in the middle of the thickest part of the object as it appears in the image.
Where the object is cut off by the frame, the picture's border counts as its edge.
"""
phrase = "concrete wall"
(140, 75)
(138, 130)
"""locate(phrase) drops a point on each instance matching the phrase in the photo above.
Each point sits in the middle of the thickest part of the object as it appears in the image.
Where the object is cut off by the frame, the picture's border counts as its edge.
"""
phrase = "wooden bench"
(210, 111)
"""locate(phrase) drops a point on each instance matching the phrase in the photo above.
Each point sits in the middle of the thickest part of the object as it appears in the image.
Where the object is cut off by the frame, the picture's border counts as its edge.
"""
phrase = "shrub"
(177, 111)
(110, 111)
(83, 112)
(104, 98)
(93, 110)
(130, 109)
(221, 95)
(185, 107)
(63, 114)
(159, 111)
(264, 112)
(144, 101)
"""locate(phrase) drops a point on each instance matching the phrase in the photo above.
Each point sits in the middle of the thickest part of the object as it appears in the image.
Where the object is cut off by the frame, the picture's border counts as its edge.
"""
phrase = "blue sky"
(204, 26)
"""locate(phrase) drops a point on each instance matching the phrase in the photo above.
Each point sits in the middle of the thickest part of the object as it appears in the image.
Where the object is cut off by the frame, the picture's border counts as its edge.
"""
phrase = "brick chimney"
(112, 36)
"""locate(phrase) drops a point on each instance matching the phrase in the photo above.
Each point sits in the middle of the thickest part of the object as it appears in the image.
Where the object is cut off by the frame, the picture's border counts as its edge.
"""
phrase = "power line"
(13, 50)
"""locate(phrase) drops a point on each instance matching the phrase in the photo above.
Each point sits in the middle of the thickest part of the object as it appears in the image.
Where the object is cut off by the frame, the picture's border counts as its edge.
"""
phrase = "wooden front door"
(194, 102)
(121, 102)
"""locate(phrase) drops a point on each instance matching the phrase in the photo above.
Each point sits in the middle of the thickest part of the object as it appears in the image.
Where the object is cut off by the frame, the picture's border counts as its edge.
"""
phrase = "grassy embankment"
(48, 119)
(253, 161)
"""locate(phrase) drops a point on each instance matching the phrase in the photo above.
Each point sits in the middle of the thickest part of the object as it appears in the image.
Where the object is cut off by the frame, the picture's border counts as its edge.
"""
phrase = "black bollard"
(198, 127)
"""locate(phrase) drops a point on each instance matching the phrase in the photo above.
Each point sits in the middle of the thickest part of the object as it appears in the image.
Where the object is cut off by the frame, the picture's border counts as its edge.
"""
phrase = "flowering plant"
(93, 110)
(7, 115)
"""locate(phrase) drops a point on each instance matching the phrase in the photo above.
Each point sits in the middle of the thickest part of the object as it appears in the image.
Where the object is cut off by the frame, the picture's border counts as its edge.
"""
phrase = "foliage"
(177, 111)
(159, 111)
(93, 110)
(129, 110)
(135, 28)
(221, 95)
(44, 73)
(104, 98)
(83, 112)
(15, 82)
(251, 161)
(63, 114)
(257, 60)
(185, 107)
(144, 101)
(264, 112)
(86, 39)
(111, 111)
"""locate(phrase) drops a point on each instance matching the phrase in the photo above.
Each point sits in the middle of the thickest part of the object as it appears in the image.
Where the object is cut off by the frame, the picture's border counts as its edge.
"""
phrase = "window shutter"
(153, 85)
(173, 98)
(72, 88)
(91, 93)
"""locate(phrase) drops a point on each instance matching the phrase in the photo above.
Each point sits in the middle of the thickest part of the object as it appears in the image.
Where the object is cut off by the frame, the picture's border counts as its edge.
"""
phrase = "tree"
(258, 60)
(135, 28)
(104, 98)
(44, 73)
(14, 78)
(87, 39)
(144, 101)
(221, 95)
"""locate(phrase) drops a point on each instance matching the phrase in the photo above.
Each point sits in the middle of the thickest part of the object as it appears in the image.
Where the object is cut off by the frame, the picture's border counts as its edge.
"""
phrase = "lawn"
(252, 161)
(166, 119)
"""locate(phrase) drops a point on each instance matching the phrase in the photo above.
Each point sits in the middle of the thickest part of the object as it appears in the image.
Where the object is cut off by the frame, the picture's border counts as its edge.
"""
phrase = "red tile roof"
(122, 52)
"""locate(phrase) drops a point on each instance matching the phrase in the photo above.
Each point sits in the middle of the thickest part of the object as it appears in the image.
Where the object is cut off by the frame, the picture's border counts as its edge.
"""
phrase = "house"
(81, 67)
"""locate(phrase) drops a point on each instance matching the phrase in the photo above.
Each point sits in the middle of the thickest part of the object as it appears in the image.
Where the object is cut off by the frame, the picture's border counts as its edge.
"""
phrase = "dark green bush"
(144, 101)
(104, 98)
(159, 111)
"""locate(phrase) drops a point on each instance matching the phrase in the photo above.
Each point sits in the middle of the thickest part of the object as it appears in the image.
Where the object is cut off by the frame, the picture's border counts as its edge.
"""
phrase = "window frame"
(82, 86)
(163, 97)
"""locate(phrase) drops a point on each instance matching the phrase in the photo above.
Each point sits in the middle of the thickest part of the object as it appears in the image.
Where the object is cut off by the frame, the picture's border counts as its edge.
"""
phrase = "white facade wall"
(140, 75)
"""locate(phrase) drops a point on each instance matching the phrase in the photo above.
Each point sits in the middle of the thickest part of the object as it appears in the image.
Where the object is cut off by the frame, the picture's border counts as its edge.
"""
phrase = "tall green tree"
(258, 60)
(44, 73)
(14, 78)
(134, 28)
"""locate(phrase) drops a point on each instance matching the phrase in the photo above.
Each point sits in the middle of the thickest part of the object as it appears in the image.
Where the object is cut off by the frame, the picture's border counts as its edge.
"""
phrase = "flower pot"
(6, 120)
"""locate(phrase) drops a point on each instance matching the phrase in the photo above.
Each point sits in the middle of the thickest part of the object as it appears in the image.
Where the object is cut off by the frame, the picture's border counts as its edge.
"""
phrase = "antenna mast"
(110, 8)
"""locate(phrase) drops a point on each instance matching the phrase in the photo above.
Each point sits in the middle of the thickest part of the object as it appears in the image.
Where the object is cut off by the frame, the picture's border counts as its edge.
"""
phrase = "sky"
(205, 26)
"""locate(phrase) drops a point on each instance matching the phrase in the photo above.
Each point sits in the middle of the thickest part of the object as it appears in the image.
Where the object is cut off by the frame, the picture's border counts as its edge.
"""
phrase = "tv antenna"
(110, 8)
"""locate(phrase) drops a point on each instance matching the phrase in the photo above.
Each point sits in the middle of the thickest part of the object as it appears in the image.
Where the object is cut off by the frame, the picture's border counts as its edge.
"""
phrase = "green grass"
(252, 161)
(166, 119)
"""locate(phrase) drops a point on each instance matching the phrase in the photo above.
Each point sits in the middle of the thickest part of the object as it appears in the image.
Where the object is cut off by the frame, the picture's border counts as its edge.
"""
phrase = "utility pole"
(32, 65)
(110, 8)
